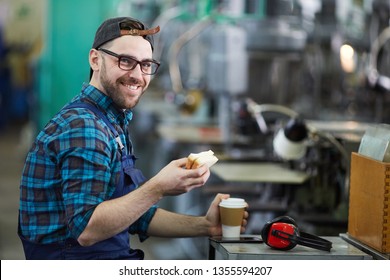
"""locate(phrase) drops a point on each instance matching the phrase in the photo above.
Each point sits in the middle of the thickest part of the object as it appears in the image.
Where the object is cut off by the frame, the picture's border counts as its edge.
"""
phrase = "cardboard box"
(368, 218)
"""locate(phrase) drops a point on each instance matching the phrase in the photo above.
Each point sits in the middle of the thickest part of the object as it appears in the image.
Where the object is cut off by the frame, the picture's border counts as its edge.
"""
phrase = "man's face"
(125, 87)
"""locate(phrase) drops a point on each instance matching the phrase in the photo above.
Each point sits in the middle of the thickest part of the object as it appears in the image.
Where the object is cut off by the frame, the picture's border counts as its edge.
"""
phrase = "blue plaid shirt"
(73, 165)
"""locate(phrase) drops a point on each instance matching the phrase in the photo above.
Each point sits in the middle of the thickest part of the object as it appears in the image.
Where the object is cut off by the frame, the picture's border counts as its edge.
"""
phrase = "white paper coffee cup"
(231, 212)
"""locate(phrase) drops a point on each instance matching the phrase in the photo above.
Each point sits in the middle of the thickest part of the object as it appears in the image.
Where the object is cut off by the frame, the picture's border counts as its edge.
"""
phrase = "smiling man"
(81, 194)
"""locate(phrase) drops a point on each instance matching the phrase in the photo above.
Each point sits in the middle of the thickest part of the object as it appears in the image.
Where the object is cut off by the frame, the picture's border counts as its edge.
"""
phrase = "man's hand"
(213, 216)
(174, 179)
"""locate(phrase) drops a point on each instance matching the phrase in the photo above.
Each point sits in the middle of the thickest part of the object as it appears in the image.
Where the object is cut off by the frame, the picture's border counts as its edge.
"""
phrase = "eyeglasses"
(127, 63)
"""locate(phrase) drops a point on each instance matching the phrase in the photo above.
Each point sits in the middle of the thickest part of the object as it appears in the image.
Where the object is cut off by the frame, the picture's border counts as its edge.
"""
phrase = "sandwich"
(195, 160)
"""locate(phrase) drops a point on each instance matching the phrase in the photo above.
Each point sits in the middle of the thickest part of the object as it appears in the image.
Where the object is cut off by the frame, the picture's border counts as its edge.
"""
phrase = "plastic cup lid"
(233, 202)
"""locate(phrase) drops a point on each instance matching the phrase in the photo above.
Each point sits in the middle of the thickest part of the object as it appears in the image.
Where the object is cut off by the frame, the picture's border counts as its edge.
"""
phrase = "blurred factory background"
(234, 74)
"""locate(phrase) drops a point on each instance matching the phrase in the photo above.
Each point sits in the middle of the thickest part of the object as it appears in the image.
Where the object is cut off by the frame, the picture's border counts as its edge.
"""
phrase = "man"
(80, 193)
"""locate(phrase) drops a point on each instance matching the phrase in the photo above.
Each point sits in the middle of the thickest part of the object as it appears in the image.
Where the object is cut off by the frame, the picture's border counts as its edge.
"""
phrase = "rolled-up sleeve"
(140, 227)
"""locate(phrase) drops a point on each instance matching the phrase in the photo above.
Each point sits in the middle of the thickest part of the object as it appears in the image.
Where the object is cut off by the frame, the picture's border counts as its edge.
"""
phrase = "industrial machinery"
(252, 70)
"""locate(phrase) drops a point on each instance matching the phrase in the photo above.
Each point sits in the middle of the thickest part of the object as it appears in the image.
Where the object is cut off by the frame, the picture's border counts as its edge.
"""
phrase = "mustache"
(131, 81)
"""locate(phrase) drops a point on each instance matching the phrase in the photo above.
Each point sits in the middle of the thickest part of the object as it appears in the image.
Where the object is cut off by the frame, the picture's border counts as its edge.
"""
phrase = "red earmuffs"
(282, 233)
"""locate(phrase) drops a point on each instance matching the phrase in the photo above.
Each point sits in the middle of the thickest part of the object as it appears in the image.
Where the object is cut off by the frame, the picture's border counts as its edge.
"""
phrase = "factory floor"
(13, 145)
(11, 164)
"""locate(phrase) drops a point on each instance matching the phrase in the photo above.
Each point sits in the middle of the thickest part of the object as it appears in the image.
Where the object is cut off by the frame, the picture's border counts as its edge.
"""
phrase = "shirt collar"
(106, 104)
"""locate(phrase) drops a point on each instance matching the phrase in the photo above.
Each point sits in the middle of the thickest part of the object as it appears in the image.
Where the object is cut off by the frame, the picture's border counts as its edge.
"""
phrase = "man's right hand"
(174, 179)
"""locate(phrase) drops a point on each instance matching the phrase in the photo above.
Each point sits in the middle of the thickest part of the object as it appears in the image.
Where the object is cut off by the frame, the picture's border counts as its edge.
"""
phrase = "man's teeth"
(132, 87)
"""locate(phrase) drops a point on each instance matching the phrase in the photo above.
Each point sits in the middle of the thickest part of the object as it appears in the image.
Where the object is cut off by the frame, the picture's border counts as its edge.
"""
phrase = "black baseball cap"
(113, 28)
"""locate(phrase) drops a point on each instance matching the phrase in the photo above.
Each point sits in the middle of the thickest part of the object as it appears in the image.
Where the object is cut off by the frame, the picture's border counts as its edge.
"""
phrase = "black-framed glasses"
(127, 63)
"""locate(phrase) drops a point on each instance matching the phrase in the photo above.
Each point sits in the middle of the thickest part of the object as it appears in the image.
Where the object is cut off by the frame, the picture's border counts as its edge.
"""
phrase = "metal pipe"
(177, 45)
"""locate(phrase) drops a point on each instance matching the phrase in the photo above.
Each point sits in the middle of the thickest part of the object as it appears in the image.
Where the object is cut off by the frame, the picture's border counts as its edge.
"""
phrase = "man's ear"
(94, 59)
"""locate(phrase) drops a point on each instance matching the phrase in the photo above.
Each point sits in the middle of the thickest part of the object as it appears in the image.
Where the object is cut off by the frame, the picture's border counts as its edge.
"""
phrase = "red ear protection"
(278, 236)
(282, 233)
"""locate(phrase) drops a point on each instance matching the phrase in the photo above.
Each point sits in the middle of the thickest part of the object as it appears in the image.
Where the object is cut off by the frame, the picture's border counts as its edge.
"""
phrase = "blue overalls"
(116, 247)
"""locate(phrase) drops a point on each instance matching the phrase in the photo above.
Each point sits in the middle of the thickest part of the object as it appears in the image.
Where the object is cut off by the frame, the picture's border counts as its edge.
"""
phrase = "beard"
(114, 90)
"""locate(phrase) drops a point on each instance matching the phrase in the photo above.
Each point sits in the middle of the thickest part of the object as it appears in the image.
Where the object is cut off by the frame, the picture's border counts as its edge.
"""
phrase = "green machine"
(63, 67)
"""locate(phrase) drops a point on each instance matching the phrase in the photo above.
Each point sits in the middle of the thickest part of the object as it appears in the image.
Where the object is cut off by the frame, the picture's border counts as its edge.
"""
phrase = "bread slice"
(195, 160)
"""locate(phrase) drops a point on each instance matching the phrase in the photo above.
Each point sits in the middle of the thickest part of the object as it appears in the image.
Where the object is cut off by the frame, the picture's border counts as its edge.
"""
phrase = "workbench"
(365, 248)
(341, 250)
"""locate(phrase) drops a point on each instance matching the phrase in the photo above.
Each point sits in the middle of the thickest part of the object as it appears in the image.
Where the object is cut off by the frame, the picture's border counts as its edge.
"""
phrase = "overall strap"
(100, 114)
